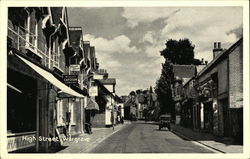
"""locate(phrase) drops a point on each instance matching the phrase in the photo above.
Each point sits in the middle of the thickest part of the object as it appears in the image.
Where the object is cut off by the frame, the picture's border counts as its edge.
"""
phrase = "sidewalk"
(221, 144)
(84, 143)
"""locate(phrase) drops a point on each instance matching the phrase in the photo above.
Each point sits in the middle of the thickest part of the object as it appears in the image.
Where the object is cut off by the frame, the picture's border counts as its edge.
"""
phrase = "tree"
(176, 52)
(163, 89)
(180, 52)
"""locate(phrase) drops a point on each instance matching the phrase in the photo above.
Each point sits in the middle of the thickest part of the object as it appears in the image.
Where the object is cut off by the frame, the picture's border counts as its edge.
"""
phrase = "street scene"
(125, 80)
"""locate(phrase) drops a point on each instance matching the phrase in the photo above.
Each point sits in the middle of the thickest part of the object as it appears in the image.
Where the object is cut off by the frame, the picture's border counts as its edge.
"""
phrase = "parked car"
(164, 121)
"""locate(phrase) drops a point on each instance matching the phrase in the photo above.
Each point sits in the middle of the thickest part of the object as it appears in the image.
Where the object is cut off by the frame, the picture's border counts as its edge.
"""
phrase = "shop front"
(32, 93)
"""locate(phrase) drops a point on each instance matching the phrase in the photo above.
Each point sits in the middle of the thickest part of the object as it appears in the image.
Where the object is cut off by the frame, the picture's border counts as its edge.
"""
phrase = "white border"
(3, 75)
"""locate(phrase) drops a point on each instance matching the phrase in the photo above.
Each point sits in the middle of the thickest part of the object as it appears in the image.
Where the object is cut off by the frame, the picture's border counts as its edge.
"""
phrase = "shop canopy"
(51, 78)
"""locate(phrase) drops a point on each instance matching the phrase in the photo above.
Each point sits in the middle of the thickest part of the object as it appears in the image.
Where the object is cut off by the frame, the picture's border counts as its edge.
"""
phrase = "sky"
(128, 40)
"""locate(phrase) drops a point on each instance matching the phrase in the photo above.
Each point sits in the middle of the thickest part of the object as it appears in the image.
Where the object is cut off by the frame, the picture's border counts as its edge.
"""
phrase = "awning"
(92, 105)
(51, 78)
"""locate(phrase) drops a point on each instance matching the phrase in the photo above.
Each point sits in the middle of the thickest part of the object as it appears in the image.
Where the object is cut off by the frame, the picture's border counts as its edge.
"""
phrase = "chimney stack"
(217, 49)
(219, 45)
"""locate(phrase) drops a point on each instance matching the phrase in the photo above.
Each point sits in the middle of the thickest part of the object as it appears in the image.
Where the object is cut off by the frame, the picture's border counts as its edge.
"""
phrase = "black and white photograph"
(125, 78)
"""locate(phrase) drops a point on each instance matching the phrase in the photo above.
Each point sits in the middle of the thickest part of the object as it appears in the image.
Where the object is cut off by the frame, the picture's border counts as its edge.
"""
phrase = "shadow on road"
(147, 122)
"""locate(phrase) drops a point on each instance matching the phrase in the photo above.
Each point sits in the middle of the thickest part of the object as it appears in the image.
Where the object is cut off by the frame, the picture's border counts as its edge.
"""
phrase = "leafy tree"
(138, 91)
(180, 52)
(176, 52)
(163, 89)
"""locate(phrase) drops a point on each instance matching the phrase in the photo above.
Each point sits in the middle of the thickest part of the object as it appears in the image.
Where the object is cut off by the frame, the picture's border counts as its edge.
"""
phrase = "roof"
(75, 36)
(184, 71)
(219, 57)
(108, 81)
(56, 14)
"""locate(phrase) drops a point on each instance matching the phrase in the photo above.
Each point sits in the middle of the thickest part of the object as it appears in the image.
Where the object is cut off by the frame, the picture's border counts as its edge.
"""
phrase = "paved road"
(141, 137)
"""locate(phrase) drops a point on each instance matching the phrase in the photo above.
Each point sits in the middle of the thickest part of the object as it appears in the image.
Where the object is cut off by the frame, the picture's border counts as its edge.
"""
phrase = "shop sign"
(74, 68)
(98, 76)
(70, 79)
(20, 142)
(93, 91)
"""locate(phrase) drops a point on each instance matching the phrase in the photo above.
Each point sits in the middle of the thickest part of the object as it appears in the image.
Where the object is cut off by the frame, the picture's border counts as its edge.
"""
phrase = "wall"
(236, 77)
(236, 93)
(222, 77)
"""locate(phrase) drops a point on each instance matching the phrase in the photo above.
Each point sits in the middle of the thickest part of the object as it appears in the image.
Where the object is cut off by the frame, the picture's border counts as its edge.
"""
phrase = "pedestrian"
(118, 119)
(122, 120)
(88, 128)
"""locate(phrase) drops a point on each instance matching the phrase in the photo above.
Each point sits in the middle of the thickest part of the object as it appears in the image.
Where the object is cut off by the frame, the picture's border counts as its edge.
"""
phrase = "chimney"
(219, 45)
(217, 49)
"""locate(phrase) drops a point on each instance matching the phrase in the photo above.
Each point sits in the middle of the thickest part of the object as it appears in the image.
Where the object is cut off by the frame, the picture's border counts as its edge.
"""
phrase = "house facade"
(40, 104)
(220, 87)
(212, 101)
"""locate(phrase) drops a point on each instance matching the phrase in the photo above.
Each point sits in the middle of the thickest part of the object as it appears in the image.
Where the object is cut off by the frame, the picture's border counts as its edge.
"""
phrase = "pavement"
(220, 144)
(84, 143)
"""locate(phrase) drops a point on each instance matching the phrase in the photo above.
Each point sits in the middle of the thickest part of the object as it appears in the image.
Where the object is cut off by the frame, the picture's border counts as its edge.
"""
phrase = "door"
(224, 104)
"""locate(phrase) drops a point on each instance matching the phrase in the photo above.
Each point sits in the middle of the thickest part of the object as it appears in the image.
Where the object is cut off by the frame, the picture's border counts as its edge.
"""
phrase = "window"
(27, 33)
(36, 35)
(60, 112)
(71, 110)
(58, 55)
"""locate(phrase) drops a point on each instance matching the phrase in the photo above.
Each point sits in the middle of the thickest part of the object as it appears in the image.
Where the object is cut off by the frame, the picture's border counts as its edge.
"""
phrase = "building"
(182, 73)
(38, 51)
(189, 108)
(220, 88)
(108, 101)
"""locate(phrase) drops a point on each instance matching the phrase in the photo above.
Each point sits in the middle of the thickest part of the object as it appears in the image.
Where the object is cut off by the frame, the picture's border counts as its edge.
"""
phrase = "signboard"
(98, 76)
(70, 79)
(21, 141)
(93, 91)
(60, 136)
(74, 68)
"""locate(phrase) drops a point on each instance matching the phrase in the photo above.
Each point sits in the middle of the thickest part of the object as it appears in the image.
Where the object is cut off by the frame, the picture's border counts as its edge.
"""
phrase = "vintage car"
(164, 121)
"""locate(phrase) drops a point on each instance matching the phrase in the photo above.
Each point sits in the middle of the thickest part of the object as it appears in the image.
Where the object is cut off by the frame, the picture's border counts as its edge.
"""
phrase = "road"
(144, 137)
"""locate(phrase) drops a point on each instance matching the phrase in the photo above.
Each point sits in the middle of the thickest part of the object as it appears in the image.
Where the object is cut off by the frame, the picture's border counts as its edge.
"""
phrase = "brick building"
(220, 88)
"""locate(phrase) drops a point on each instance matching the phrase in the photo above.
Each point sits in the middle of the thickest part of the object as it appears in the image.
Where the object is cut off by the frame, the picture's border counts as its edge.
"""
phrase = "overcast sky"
(128, 40)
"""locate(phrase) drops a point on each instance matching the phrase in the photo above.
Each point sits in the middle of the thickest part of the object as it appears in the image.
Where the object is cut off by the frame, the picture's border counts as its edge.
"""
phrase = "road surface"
(144, 137)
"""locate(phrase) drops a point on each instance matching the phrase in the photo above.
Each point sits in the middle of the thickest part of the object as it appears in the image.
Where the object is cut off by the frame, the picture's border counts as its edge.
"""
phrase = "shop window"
(59, 112)
(21, 103)
(72, 112)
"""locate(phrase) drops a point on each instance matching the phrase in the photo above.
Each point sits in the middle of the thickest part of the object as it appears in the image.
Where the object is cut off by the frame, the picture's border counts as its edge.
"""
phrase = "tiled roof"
(184, 71)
